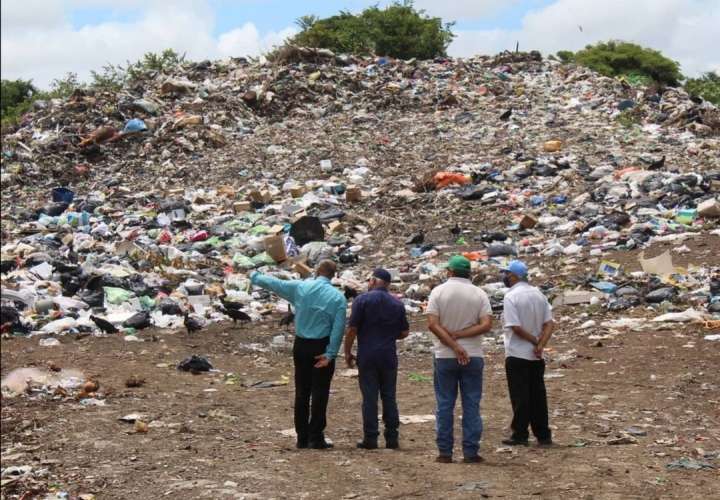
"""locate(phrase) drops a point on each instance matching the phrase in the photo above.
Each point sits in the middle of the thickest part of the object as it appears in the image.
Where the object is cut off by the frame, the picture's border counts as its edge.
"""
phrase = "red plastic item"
(164, 237)
(200, 236)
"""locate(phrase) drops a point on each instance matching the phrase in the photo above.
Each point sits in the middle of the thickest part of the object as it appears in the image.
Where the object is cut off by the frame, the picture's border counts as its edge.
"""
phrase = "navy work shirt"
(379, 318)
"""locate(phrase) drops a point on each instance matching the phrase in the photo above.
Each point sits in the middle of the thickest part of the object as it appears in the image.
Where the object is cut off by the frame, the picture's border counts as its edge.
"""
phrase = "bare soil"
(209, 439)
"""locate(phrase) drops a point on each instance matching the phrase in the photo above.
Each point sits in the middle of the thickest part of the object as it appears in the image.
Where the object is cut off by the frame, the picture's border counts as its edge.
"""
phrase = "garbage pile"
(150, 206)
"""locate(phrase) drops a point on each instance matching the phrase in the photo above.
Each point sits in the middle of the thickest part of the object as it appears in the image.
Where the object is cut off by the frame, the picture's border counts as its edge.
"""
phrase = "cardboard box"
(241, 206)
(709, 208)
(552, 146)
(302, 269)
(353, 194)
(227, 191)
(297, 191)
(336, 227)
(275, 247)
(263, 196)
(573, 297)
(528, 222)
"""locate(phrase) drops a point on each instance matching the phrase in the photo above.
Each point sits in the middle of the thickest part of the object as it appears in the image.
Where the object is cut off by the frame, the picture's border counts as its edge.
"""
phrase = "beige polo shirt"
(459, 304)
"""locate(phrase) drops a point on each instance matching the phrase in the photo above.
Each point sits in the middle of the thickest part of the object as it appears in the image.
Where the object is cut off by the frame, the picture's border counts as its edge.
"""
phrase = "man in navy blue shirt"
(378, 319)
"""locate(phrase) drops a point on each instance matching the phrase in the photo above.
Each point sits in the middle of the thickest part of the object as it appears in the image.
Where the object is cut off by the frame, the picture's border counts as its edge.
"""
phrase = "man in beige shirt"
(458, 314)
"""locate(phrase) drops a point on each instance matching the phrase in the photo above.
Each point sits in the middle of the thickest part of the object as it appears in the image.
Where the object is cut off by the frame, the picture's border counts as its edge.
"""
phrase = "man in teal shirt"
(319, 327)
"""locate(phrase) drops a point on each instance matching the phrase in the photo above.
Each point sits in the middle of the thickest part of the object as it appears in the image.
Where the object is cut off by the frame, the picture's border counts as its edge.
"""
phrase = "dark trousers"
(528, 398)
(311, 383)
(374, 380)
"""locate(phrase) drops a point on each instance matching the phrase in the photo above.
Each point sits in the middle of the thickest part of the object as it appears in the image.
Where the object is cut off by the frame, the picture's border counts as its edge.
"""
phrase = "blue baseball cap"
(516, 267)
(382, 274)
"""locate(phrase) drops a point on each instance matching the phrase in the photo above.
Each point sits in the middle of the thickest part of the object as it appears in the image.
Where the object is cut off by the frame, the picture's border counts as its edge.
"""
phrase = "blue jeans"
(448, 376)
(376, 380)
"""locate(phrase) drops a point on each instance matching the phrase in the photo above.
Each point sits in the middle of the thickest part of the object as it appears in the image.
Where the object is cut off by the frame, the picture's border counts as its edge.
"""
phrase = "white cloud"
(30, 15)
(683, 30)
(456, 10)
(246, 40)
(46, 46)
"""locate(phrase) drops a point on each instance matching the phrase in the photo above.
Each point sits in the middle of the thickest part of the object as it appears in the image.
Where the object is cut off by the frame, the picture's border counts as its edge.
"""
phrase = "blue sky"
(44, 39)
(270, 15)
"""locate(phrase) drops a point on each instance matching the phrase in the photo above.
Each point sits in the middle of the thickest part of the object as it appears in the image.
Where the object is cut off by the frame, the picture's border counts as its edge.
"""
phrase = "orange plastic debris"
(474, 256)
(444, 179)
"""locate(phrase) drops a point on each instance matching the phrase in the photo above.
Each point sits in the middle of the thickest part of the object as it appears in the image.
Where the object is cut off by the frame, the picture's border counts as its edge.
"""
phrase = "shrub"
(398, 30)
(616, 58)
(707, 87)
(15, 97)
(64, 87)
(566, 56)
(114, 76)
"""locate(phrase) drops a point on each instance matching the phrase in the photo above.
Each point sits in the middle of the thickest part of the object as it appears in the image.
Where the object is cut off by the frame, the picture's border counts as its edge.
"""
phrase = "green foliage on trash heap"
(15, 96)
(19, 95)
(566, 56)
(707, 87)
(618, 58)
(398, 30)
(114, 76)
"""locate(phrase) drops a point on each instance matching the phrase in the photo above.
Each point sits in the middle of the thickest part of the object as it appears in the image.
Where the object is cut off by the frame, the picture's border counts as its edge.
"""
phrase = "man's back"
(524, 306)
(379, 318)
(319, 306)
(316, 304)
(459, 304)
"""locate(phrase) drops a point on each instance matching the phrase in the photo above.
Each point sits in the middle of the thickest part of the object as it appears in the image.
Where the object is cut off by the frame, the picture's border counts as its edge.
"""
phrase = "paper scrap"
(661, 265)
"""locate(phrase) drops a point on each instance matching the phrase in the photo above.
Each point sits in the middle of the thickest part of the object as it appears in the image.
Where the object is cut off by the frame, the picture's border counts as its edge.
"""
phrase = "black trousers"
(528, 398)
(311, 384)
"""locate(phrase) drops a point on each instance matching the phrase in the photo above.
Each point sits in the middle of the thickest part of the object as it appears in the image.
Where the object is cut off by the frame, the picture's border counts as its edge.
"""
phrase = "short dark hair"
(460, 274)
(326, 268)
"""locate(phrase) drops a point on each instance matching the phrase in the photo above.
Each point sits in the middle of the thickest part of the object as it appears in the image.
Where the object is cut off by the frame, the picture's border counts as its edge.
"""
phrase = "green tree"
(566, 56)
(618, 58)
(707, 87)
(398, 30)
(14, 94)
(345, 33)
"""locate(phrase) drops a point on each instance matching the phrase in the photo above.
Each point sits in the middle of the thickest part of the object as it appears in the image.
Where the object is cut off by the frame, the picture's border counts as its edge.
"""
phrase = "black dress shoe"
(320, 445)
(545, 443)
(367, 445)
(301, 445)
(392, 444)
(514, 442)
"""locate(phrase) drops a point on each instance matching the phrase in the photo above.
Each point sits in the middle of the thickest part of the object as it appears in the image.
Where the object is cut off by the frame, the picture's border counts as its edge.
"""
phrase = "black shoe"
(545, 443)
(392, 444)
(477, 459)
(514, 442)
(367, 445)
(320, 445)
(301, 445)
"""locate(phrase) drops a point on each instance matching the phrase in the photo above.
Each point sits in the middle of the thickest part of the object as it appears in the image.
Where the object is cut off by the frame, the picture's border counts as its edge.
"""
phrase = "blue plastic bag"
(134, 125)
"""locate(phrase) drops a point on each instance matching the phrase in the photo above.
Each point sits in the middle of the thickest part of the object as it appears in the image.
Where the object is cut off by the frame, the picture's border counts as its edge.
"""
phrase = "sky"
(45, 39)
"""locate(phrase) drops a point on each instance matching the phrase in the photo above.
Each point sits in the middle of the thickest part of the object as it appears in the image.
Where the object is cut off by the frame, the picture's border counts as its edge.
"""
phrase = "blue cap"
(517, 267)
(382, 274)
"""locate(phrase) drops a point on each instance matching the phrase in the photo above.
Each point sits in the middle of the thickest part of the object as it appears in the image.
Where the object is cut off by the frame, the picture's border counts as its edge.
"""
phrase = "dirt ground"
(210, 439)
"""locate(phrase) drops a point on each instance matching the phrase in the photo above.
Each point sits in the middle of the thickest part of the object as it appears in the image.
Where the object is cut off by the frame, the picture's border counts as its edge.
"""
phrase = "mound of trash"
(131, 208)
